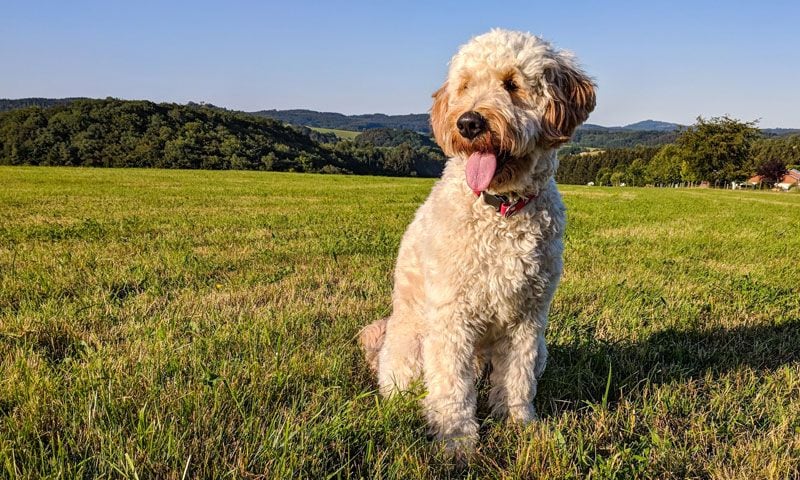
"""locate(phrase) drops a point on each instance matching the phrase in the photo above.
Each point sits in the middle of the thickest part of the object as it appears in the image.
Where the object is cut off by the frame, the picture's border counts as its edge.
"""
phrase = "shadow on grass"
(578, 373)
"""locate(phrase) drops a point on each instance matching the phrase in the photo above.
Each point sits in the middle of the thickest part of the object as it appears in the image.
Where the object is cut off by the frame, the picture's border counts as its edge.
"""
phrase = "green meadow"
(199, 324)
(342, 134)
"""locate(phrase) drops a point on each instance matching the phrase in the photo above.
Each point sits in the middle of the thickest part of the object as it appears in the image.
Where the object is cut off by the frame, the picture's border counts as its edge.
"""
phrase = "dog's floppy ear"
(572, 99)
(439, 114)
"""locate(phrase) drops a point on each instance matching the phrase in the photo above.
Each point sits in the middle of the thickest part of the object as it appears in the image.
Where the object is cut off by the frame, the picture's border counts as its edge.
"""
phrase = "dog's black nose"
(471, 124)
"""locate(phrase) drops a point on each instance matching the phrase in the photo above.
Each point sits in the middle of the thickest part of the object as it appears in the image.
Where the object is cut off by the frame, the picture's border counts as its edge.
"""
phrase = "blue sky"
(669, 61)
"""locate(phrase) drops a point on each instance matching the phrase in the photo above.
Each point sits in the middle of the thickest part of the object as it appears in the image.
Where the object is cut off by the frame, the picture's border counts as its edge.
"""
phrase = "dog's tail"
(371, 339)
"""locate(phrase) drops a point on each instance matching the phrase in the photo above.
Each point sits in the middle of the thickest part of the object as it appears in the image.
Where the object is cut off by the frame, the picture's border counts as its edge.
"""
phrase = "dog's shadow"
(591, 371)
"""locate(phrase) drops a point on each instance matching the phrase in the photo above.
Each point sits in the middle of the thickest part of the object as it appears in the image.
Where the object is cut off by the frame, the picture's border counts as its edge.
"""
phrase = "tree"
(268, 161)
(665, 167)
(717, 149)
(603, 176)
(399, 160)
(785, 148)
(772, 170)
(636, 173)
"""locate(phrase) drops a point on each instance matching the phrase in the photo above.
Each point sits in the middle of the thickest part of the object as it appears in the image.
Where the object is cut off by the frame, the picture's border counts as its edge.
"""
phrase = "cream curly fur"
(469, 281)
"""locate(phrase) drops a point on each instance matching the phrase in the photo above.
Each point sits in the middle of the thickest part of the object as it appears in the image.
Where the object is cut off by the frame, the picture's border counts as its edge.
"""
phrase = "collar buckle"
(503, 205)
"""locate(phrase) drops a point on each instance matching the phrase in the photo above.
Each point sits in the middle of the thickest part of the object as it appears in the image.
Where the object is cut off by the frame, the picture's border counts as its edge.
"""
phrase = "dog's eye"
(510, 85)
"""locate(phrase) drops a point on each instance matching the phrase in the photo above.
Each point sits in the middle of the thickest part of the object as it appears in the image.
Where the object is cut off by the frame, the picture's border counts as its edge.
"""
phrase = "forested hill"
(620, 137)
(125, 133)
(417, 122)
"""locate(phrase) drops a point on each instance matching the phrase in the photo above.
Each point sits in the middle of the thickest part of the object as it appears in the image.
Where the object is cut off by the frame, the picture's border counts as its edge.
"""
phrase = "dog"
(478, 266)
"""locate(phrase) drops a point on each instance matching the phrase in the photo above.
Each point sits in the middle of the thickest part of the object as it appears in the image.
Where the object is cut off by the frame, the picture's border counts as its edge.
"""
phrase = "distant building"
(754, 181)
(789, 181)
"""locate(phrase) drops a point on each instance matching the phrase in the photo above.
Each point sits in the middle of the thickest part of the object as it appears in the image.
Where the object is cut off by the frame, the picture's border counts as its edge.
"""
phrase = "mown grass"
(177, 324)
(343, 134)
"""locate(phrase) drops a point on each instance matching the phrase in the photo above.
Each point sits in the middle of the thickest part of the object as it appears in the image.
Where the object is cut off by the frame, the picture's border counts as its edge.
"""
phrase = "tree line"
(124, 133)
(718, 150)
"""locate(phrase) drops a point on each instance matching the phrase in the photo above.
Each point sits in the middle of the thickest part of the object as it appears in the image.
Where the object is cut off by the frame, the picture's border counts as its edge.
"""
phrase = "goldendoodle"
(479, 264)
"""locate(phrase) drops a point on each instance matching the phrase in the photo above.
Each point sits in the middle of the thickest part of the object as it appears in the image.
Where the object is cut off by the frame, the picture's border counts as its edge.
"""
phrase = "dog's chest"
(505, 273)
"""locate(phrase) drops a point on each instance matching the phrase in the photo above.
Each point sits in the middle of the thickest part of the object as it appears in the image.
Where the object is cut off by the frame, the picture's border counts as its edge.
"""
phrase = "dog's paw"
(522, 414)
(458, 441)
(459, 448)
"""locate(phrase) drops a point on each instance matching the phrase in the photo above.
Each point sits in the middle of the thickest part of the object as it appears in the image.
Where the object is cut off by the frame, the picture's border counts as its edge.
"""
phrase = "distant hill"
(417, 122)
(138, 133)
(647, 132)
(653, 126)
(587, 136)
(779, 132)
(604, 137)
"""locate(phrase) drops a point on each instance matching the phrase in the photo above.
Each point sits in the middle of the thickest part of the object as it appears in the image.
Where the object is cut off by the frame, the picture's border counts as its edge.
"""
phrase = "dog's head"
(507, 95)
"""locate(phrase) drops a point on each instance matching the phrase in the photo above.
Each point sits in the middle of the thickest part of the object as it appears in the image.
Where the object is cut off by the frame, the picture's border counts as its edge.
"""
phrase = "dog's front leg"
(514, 358)
(448, 349)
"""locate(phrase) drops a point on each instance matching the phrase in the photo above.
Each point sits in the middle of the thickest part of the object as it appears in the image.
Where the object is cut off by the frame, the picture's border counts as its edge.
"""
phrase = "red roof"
(756, 179)
(790, 178)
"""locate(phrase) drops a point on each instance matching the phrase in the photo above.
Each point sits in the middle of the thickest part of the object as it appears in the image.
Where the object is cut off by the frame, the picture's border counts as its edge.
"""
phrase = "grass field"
(196, 324)
(343, 134)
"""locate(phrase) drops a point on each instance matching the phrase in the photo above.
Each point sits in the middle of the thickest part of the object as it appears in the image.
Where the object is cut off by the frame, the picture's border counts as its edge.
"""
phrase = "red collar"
(503, 204)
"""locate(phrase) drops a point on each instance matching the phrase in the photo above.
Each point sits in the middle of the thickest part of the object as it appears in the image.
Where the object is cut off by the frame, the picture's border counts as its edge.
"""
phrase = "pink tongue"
(480, 170)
